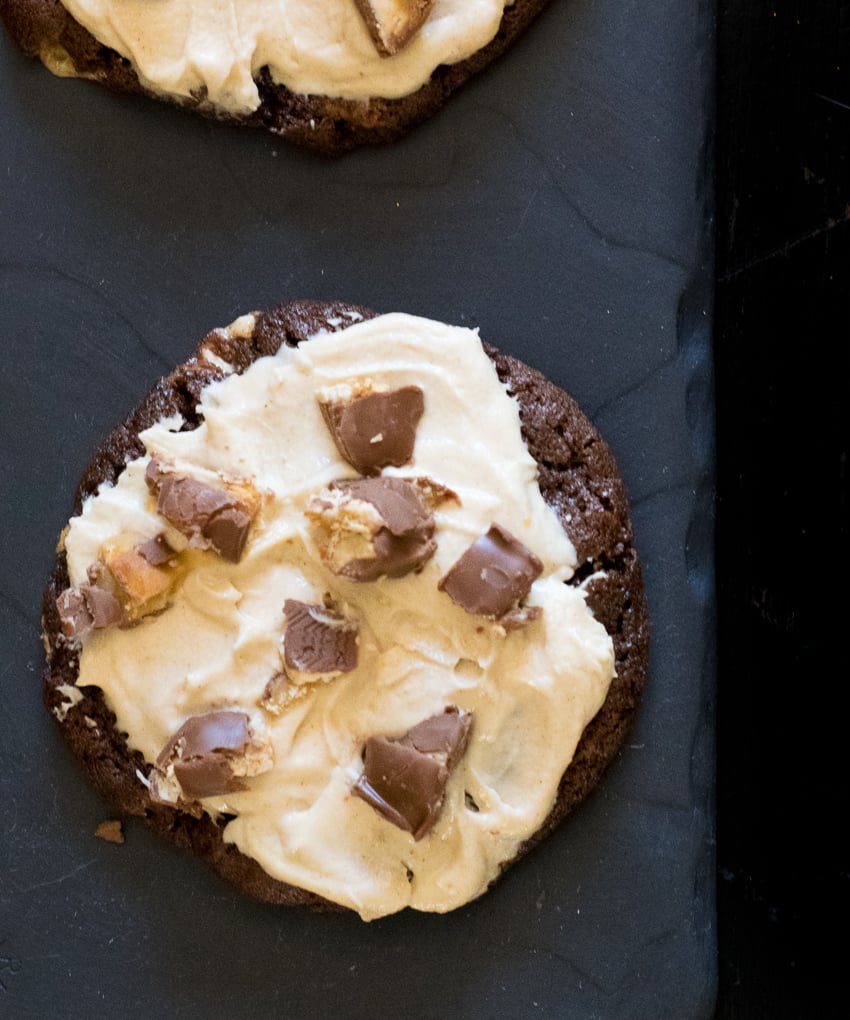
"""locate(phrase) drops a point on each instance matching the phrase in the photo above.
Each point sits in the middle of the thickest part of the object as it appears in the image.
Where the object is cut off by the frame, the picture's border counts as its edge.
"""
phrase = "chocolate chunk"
(87, 607)
(375, 430)
(227, 532)
(318, 640)
(154, 474)
(393, 535)
(404, 779)
(445, 734)
(156, 551)
(493, 575)
(206, 754)
(393, 23)
(402, 785)
(208, 516)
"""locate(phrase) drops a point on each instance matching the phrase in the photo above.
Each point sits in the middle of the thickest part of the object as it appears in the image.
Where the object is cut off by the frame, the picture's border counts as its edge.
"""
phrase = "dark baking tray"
(561, 203)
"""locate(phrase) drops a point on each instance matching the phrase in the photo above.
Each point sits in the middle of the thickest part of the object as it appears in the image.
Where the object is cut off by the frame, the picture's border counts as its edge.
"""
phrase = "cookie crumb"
(110, 831)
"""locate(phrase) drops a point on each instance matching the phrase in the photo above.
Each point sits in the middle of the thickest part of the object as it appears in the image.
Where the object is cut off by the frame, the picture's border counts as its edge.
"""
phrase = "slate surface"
(561, 203)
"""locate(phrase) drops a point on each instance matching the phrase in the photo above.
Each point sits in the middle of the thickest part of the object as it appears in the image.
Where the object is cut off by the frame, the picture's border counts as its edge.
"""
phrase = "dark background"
(782, 331)
(782, 324)
(561, 202)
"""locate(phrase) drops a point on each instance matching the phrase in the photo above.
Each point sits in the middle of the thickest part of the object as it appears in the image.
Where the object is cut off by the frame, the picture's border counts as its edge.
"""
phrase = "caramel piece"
(280, 692)
(393, 23)
(140, 585)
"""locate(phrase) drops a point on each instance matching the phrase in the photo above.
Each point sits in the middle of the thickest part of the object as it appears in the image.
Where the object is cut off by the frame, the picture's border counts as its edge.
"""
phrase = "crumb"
(110, 831)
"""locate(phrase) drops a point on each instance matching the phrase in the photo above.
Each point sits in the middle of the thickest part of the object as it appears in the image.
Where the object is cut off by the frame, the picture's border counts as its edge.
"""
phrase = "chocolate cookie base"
(324, 124)
(577, 477)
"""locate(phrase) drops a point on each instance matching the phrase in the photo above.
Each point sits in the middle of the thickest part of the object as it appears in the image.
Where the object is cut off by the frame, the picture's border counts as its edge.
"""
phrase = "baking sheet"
(560, 203)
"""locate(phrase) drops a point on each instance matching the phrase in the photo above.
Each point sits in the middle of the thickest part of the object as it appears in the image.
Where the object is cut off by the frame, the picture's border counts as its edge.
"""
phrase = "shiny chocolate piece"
(445, 734)
(493, 575)
(87, 607)
(401, 526)
(318, 640)
(207, 516)
(154, 474)
(227, 532)
(203, 751)
(156, 551)
(375, 430)
(404, 779)
(402, 785)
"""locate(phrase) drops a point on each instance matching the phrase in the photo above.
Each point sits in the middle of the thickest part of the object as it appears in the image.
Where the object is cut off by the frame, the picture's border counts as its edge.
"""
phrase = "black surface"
(562, 203)
(782, 341)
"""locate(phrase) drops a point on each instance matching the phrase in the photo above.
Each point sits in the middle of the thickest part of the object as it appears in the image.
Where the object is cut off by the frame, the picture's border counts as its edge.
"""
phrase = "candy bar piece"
(319, 645)
(280, 692)
(87, 607)
(434, 493)
(141, 586)
(156, 551)
(374, 430)
(208, 516)
(393, 23)
(404, 779)
(370, 527)
(446, 734)
(402, 785)
(493, 575)
(209, 755)
(318, 641)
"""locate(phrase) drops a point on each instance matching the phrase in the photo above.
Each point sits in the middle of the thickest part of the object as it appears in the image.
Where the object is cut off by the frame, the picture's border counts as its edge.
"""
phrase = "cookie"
(349, 607)
(355, 72)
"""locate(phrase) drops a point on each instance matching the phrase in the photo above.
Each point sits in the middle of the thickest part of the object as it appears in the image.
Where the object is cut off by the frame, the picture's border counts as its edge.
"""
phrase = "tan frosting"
(319, 47)
(532, 690)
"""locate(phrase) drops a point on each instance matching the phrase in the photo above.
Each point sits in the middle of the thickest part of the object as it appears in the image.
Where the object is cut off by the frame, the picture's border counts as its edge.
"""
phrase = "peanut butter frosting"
(214, 49)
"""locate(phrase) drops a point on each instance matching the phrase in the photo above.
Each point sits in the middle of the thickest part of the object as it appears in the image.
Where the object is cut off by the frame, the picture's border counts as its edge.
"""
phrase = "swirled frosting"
(216, 48)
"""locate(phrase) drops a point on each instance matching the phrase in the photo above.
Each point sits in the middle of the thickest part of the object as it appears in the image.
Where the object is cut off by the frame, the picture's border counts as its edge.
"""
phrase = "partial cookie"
(356, 71)
(407, 668)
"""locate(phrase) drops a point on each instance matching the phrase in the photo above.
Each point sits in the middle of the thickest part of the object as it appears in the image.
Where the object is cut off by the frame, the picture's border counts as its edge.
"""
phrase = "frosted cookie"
(350, 607)
(330, 75)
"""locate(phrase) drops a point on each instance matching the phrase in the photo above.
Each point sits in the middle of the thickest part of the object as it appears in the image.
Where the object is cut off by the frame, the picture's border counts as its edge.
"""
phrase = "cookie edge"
(552, 426)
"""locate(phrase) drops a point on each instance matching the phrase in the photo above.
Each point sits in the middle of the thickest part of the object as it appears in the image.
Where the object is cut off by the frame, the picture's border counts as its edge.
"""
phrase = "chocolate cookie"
(321, 110)
(218, 754)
